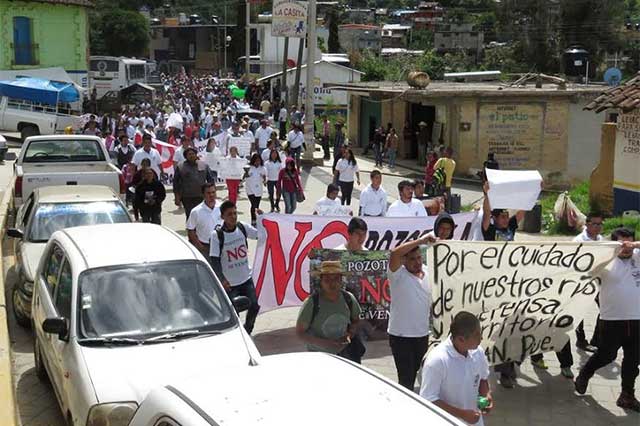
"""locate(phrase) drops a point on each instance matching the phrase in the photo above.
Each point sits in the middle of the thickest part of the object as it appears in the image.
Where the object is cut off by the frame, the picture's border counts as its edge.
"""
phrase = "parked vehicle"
(119, 310)
(64, 160)
(34, 106)
(314, 389)
(3, 147)
(255, 116)
(115, 73)
(49, 209)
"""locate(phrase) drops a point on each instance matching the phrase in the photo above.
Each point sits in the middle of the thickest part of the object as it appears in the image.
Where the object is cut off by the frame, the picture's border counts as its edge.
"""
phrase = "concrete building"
(358, 16)
(360, 37)
(453, 37)
(45, 33)
(395, 35)
(526, 127)
(427, 16)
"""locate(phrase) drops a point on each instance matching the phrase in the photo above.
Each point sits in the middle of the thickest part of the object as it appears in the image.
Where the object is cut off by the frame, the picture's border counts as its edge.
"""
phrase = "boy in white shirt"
(456, 372)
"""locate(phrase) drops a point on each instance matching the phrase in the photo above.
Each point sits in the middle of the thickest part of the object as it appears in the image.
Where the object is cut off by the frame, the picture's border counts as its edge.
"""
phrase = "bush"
(612, 223)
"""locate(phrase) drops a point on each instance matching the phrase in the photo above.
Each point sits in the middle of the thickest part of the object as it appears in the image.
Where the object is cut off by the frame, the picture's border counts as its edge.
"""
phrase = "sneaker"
(581, 384)
(506, 381)
(540, 364)
(566, 372)
(585, 346)
(628, 401)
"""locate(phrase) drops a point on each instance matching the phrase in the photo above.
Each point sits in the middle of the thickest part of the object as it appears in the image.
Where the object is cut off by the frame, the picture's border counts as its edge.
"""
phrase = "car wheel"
(41, 370)
(20, 317)
(28, 131)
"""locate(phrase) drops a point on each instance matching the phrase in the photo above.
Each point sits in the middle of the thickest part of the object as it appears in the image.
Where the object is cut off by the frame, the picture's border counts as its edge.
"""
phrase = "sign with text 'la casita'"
(528, 295)
(289, 18)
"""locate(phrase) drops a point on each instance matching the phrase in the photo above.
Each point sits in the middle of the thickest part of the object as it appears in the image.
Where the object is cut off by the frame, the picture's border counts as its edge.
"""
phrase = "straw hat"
(328, 267)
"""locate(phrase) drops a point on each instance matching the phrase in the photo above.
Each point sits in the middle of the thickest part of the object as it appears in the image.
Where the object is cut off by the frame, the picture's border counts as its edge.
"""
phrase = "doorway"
(421, 113)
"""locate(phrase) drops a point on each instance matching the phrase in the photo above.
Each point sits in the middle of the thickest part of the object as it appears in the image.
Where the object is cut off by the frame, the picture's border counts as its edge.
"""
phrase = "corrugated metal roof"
(625, 97)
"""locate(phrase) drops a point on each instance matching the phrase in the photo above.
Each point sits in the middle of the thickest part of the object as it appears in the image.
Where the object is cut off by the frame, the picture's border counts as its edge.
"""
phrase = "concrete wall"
(584, 141)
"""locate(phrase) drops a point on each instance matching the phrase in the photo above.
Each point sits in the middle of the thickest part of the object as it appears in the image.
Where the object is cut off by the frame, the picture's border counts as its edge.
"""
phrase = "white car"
(119, 310)
(311, 389)
(49, 209)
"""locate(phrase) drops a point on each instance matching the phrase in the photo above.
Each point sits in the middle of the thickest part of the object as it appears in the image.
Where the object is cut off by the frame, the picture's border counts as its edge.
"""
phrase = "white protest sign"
(513, 189)
(289, 18)
(281, 263)
(528, 295)
(232, 168)
(166, 151)
(243, 144)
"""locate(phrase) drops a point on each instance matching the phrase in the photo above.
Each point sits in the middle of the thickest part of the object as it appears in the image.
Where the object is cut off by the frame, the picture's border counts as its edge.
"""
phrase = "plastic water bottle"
(483, 403)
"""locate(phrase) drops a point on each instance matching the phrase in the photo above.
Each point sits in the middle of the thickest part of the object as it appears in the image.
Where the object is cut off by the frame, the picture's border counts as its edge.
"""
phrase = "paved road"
(541, 397)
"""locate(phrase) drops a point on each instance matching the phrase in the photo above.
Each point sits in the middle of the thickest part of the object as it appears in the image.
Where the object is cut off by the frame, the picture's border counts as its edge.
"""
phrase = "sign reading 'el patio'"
(289, 18)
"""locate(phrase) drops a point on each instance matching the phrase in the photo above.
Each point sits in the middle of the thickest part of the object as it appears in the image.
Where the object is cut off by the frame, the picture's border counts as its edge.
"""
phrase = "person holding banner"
(329, 205)
(328, 319)
(373, 200)
(406, 206)
(410, 309)
(358, 231)
(619, 320)
(456, 372)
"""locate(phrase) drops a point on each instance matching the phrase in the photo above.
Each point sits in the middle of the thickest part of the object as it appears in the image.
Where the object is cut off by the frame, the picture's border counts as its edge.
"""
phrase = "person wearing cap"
(328, 319)
(148, 151)
(188, 178)
(263, 135)
(406, 205)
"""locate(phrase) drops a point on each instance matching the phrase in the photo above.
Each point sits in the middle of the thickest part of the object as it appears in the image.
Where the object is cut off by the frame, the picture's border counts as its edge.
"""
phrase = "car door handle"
(72, 182)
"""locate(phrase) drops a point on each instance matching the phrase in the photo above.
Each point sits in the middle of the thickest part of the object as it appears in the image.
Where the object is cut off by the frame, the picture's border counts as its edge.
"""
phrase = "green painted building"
(45, 33)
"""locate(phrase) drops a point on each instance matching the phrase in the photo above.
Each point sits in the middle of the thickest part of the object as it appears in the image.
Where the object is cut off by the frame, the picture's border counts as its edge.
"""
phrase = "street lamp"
(227, 42)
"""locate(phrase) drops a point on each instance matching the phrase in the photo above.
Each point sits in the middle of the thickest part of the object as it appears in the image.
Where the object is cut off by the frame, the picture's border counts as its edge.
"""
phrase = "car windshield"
(50, 218)
(52, 151)
(151, 299)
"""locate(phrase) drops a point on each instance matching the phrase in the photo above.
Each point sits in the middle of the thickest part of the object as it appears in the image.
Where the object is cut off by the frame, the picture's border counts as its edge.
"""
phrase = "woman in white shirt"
(256, 178)
(346, 170)
(273, 166)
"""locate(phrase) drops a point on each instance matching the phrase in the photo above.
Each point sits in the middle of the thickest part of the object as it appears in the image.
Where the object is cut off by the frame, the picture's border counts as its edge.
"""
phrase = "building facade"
(360, 37)
(42, 34)
(453, 37)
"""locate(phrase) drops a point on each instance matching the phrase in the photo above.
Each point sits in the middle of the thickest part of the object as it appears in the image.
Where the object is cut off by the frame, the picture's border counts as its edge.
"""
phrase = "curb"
(7, 397)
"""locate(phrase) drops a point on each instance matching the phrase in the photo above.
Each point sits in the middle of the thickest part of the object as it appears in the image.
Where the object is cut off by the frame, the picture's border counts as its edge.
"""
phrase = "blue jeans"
(377, 150)
(295, 153)
(392, 157)
(290, 201)
(248, 290)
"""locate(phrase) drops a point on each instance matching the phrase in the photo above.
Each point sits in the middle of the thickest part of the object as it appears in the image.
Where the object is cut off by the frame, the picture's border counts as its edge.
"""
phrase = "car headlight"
(112, 414)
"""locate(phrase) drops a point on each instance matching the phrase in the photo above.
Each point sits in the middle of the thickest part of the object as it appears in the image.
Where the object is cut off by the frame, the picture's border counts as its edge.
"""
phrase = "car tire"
(28, 131)
(41, 370)
(21, 319)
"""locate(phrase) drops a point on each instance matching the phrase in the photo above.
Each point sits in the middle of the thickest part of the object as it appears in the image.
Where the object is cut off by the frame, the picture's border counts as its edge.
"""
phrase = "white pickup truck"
(64, 160)
(32, 119)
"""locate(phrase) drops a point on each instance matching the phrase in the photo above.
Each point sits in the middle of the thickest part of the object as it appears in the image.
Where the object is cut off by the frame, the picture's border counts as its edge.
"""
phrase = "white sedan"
(311, 389)
(121, 309)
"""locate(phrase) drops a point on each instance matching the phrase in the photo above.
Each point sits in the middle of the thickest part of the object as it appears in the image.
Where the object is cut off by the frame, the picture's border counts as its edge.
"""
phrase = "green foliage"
(334, 20)
(119, 33)
(396, 68)
(421, 39)
(502, 58)
(612, 223)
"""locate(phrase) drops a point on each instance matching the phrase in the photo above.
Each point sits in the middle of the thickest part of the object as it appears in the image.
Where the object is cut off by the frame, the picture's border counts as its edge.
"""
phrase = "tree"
(122, 33)
(334, 41)
(421, 39)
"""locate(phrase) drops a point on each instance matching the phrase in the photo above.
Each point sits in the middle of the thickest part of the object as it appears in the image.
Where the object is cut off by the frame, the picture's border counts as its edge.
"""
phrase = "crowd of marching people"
(192, 112)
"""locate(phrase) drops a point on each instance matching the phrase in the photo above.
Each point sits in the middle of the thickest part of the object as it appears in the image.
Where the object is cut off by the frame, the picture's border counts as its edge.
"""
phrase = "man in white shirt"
(147, 151)
(230, 259)
(203, 219)
(456, 371)
(263, 134)
(409, 310)
(330, 204)
(591, 232)
(406, 206)
(358, 232)
(296, 140)
(373, 200)
(619, 320)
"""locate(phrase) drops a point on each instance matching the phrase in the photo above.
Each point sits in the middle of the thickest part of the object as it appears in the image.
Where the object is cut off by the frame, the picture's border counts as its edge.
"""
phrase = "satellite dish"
(613, 76)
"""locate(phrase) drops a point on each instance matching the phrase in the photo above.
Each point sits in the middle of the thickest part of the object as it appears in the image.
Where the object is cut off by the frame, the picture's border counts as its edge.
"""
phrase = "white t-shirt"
(583, 237)
(263, 136)
(273, 169)
(410, 303)
(415, 208)
(283, 114)
(295, 139)
(620, 289)
(254, 180)
(203, 220)
(373, 202)
(178, 154)
(451, 377)
(235, 254)
(347, 170)
(154, 157)
(327, 207)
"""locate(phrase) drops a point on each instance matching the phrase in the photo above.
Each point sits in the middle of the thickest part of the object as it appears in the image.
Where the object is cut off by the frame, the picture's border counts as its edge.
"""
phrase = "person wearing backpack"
(229, 254)
(328, 319)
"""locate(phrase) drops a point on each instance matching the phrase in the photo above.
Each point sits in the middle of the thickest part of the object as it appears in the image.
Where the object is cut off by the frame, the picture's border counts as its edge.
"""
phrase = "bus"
(115, 73)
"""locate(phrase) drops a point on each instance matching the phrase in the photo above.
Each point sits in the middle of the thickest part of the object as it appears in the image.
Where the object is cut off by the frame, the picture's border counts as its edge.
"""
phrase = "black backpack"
(315, 303)
(220, 234)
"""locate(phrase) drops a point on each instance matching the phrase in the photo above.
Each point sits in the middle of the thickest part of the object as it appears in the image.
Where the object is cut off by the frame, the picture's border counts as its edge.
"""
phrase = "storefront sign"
(289, 18)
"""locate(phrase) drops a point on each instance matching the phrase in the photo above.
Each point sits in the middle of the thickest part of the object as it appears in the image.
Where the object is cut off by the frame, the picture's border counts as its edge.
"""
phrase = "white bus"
(114, 73)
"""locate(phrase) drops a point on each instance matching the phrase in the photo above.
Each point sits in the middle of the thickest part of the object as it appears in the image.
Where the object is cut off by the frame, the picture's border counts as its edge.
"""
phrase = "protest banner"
(231, 168)
(366, 278)
(166, 151)
(281, 263)
(528, 295)
(333, 210)
(242, 143)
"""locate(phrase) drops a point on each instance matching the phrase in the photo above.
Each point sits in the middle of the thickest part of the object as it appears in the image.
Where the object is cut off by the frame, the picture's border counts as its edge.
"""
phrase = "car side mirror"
(15, 233)
(241, 303)
(57, 325)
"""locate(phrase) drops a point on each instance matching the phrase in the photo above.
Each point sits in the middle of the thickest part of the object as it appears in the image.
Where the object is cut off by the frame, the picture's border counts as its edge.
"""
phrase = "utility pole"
(296, 85)
(247, 42)
(284, 73)
(311, 58)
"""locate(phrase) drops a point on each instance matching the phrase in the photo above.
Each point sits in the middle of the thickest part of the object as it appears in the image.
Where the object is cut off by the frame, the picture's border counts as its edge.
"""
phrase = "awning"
(39, 90)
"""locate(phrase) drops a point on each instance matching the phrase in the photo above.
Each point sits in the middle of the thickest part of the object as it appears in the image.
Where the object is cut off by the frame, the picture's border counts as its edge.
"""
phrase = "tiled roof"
(625, 97)
(86, 3)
